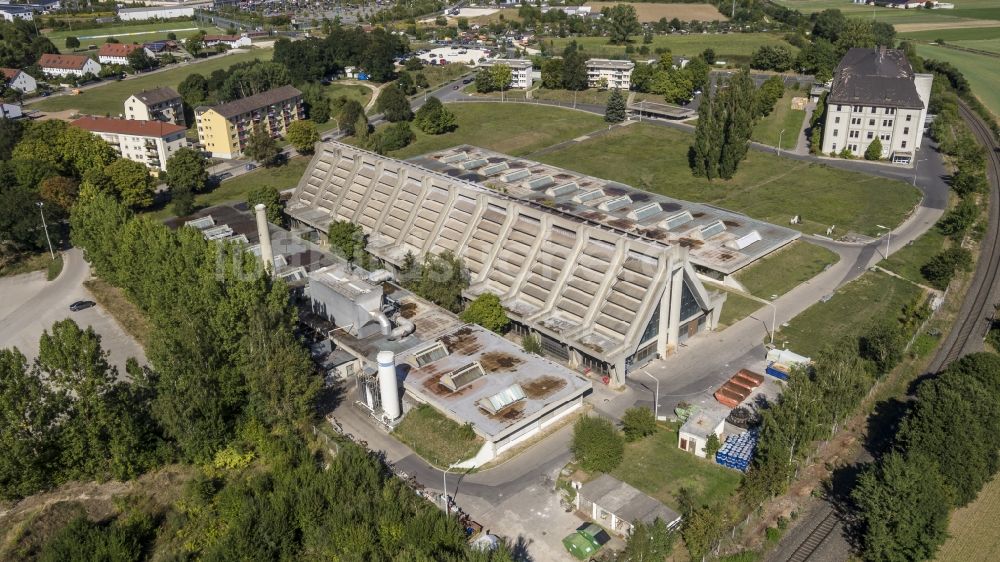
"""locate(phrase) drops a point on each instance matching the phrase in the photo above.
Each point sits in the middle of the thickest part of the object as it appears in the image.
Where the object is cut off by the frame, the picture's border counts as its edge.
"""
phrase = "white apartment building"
(19, 80)
(231, 41)
(154, 12)
(609, 73)
(520, 71)
(159, 104)
(147, 142)
(876, 95)
(68, 65)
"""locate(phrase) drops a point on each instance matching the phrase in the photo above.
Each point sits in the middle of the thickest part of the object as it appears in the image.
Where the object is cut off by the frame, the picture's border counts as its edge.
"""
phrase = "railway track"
(974, 316)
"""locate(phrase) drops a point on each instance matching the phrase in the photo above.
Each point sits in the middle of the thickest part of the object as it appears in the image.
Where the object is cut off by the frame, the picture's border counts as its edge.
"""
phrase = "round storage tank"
(388, 385)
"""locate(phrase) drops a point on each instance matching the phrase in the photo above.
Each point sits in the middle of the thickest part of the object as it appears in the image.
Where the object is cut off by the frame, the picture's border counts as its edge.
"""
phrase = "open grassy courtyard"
(782, 271)
(109, 97)
(873, 296)
(439, 440)
(982, 72)
(137, 33)
(783, 117)
(726, 45)
(908, 260)
(516, 129)
(766, 186)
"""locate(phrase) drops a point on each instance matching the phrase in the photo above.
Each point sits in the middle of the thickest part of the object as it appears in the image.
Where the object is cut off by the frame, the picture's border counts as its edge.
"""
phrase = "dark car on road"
(81, 305)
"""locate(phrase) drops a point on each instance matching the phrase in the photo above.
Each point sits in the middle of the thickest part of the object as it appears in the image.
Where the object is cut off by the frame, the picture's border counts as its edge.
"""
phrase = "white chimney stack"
(266, 254)
(388, 385)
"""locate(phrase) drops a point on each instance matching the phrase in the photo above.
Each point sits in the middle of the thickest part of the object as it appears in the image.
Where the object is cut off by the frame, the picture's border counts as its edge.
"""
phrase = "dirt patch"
(689, 243)
(511, 413)
(496, 361)
(408, 309)
(624, 224)
(543, 386)
(654, 233)
(650, 12)
(731, 224)
(462, 341)
(957, 23)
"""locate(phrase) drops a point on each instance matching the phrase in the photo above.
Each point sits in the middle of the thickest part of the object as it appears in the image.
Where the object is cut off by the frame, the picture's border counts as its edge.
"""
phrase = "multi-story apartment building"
(147, 142)
(520, 71)
(117, 53)
(18, 80)
(876, 95)
(68, 65)
(609, 74)
(224, 130)
(158, 104)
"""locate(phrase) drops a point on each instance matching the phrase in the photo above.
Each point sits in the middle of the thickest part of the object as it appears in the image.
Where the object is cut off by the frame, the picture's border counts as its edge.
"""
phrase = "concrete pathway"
(802, 141)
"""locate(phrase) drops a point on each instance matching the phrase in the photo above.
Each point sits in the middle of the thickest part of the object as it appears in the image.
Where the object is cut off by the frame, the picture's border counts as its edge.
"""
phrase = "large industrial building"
(603, 273)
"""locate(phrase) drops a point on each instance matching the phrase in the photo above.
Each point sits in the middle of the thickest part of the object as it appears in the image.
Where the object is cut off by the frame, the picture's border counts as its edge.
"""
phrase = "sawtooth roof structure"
(875, 77)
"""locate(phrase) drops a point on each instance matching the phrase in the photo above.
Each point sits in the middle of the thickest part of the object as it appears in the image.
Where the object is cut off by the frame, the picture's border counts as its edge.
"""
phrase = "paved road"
(31, 304)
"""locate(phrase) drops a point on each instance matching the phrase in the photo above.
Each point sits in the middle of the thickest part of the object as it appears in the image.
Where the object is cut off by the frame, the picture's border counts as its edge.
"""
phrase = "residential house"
(231, 41)
(159, 104)
(118, 53)
(19, 80)
(876, 95)
(68, 65)
(224, 130)
(606, 73)
(148, 142)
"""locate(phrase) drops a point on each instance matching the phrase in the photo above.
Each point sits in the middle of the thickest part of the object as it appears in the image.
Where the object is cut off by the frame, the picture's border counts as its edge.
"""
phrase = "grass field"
(363, 94)
(736, 308)
(908, 260)
(982, 72)
(873, 296)
(966, 34)
(437, 439)
(766, 186)
(991, 45)
(656, 466)
(968, 530)
(728, 45)
(963, 9)
(108, 99)
(124, 311)
(653, 11)
(128, 33)
(515, 129)
(768, 129)
(282, 177)
(438, 75)
(592, 96)
(785, 269)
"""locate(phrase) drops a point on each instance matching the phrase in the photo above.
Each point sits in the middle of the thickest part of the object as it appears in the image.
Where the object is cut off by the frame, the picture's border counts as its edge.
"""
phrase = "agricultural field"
(515, 129)
(968, 539)
(964, 9)
(726, 45)
(651, 11)
(783, 117)
(982, 71)
(127, 33)
(960, 35)
(108, 98)
(766, 186)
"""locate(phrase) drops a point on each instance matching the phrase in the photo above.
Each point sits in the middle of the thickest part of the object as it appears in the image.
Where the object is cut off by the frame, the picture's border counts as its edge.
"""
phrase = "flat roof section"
(513, 389)
(717, 239)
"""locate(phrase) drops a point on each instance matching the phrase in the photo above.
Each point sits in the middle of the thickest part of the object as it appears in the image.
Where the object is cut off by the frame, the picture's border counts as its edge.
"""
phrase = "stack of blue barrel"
(737, 451)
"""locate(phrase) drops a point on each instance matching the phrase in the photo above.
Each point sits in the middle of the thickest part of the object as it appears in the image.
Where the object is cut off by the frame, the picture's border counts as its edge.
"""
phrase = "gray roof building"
(257, 101)
(875, 77)
(617, 505)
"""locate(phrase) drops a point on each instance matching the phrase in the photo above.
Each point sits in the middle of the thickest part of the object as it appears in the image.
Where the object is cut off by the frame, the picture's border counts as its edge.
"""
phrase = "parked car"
(81, 305)
(251, 166)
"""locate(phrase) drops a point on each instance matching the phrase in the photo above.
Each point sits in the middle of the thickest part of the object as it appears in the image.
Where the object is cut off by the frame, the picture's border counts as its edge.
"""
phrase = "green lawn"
(363, 94)
(591, 96)
(785, 269)
(515, 129)
(873, 296)
(282, 177)
(736, 308)
(958, 34)
(656, 466)
(982, 72)
(909, 259)
(126, 33)
(439, 440)
(726, 46)
(768, 129)
(990, 45)
(108, 98)
(766, 187)
(963, 9)
(438, 75)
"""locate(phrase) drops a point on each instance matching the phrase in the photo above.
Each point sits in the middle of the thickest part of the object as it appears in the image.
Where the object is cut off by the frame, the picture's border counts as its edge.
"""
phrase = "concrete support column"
(674, 311)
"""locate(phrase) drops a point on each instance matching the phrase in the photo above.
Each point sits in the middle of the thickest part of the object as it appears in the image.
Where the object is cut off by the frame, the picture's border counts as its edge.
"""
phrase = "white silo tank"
(387, 384)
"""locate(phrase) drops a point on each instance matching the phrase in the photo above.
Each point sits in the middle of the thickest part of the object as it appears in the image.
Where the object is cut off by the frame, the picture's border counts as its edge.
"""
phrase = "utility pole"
(888, 238)
(46, 227)
(656, 398)
(779, 141)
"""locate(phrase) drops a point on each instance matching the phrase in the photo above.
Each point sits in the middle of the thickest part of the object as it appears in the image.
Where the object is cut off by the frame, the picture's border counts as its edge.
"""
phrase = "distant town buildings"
(12, 12)
(19, 80)
(147, 142)
(117, 53)
(158, 104)
(224, 130)
(520, 71)
(608, 73)
(68, 65)
(876, 95)
(154, 12)
(231, 41)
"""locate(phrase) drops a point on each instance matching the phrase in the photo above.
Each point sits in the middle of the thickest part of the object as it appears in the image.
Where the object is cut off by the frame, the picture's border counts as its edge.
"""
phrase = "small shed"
(617, 505)
(694, 433)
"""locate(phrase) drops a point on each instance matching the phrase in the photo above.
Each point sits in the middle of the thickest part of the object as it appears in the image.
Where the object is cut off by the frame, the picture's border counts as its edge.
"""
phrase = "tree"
(405, 84)
(194, 45)
(59, 190)
(771, 57)
(395, 136)
(597, 446)
(574, 71)
(942, 267)
(193, 89)
(348, 240)
(768, 95)
(351, 114)
(615, 110)
(434, 118)
(303, 136)
(442, 279)
(131, 183)
(552, 73)
(82, 151)
(500, 76)
(874, 150)
(828, 25)
(316, 102)
(140, 61)
(484, 81)
(486, 311)
(902, 507)
(186, 171)
(701, 529)
(712, 445)
(818, 58)
(532, 344)
(413, 64)
(72, 42)
(622, 22)
(638, 422)
(883, 344)
(648, 542)
(262, 147)
(858, 33)
(393, 105)
(269, 196)
(738, 124)
(421, 81)
(673, 84)
(709, 55)
(704, 153)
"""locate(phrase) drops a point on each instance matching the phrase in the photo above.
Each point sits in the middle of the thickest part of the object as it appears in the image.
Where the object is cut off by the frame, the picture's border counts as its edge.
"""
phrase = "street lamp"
(444, 478)
(779, 140)
(888, 238)
(656, 401)
(46, 227)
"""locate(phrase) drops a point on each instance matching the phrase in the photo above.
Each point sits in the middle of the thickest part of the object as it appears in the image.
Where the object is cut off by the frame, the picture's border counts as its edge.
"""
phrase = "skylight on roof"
(202, 223)
(616, 203)
(506, 397)
(564, 189)
(677, 220)
(463, 377)
(712, 229)
(431, 354)
(643, 213)
(588, 196)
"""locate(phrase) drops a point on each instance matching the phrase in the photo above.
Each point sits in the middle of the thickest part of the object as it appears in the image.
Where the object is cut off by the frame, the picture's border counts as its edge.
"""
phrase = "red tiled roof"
(62, 61)
(127, 126)
(117, 49)
(9, 73)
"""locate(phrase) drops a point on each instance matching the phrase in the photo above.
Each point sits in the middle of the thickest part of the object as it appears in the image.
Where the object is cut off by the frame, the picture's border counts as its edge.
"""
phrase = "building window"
(858, 108)
(836, 132)
(835, 147)
(887, 122)
(903, 145)
(909, 116)
(855, 120)
(871, 122)
(836, 120)
(840, 107)
(884, 137)
(906, 130)
(871, 135)
(890, 111)
(853, 134)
